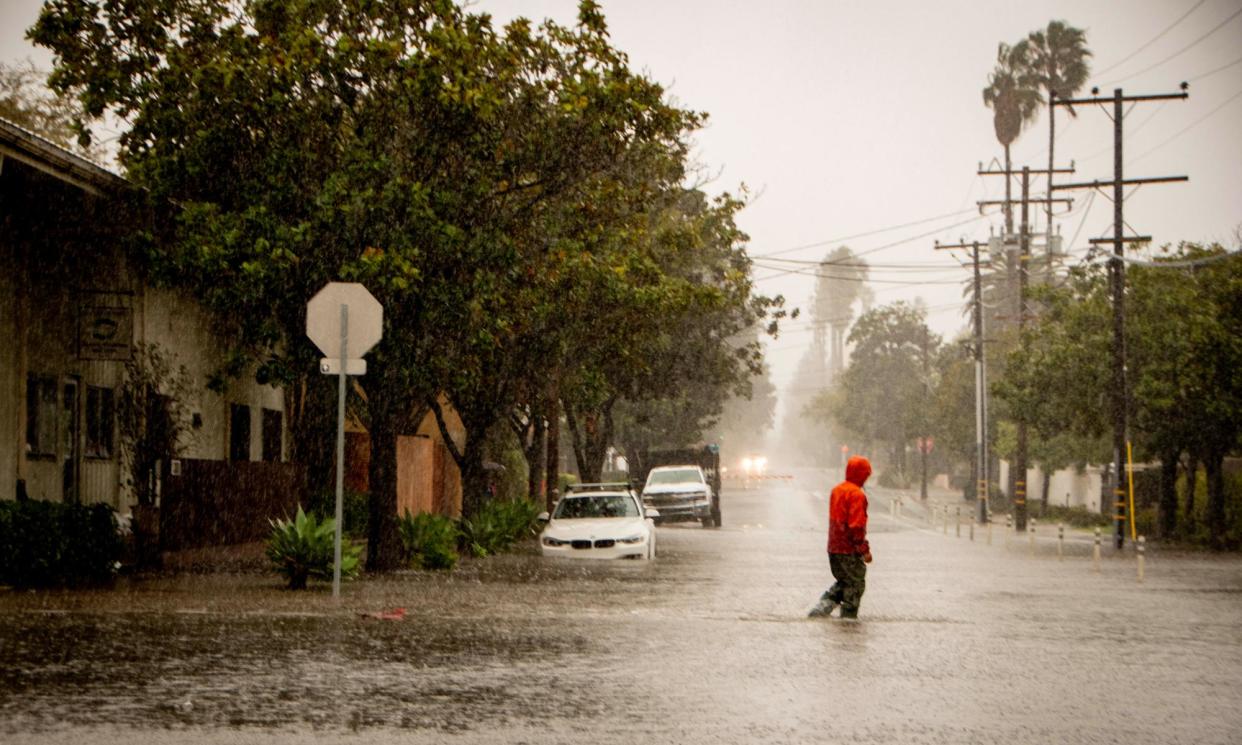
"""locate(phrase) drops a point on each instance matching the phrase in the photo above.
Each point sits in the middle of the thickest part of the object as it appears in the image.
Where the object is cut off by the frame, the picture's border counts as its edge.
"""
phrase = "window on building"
(273, 424)
(41, 426)
(100, 422)
(239, 432)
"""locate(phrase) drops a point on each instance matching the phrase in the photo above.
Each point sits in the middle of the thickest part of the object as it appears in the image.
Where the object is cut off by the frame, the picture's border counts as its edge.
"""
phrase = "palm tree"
(1058, 65)
(1014, 96)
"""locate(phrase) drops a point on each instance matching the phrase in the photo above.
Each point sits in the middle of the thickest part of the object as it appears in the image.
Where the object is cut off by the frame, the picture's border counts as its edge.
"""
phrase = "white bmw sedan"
(599, 524)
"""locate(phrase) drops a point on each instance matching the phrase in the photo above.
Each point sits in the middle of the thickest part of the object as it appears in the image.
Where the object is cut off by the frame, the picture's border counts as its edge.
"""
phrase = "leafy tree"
(840, 292)
(1182, 353)
(882, 397)
(1058, 62)
(407, 145)
(27, 102)
(1013, 95)
(676, 341)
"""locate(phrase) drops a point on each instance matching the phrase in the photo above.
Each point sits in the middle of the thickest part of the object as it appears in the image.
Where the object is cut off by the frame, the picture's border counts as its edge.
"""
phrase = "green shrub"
(498, 525)
(303, 548)
(1078, 517)
(355, 509)
(564, 481)
(430, 540)
(45, 544)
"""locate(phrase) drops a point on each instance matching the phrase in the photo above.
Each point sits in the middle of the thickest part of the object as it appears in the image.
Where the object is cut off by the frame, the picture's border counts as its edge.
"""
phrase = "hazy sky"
(845, 118)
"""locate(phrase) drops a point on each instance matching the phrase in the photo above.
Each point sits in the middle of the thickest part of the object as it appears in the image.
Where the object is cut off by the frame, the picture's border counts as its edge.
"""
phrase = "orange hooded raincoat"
(847, 510)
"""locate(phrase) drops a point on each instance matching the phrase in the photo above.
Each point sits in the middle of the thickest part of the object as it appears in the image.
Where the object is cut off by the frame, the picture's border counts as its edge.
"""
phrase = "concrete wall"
(1067, 487)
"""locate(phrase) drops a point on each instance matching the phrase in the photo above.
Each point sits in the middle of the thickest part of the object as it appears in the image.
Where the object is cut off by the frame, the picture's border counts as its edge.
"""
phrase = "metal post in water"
(1060, 542)
(946, 520)
(989, 528)
(957, 522)
(972, 528)
(1142, 557)
(1032, 532)
(340, 453)
(1008, 525)
(1095, 554)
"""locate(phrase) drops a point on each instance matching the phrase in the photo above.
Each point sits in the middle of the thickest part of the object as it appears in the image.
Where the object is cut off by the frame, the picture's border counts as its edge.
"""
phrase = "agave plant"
(430, 541)
(498, 525)
(302, 549)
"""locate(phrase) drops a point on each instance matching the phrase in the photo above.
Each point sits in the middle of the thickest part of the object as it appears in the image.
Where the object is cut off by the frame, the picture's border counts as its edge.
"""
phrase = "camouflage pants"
(850, 574)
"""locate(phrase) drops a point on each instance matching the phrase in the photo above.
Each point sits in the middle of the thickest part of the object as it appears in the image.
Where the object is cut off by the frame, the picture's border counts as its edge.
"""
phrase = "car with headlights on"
(599, 521)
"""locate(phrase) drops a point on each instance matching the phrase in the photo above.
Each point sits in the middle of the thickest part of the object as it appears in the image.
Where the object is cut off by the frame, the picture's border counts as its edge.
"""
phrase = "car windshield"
(605, 505)
(678, 476)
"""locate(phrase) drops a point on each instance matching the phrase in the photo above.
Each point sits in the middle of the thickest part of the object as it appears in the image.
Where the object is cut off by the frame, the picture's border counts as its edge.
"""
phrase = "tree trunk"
(530, 434)
(1008, 196)
(474, 480)
(534, 456)
(1047, 486)
(468, 456)
(592, 433)
(383, 542)
(1192, 477)
(311, 406)
(553, 472)
(1168, 495)
(1215, 467)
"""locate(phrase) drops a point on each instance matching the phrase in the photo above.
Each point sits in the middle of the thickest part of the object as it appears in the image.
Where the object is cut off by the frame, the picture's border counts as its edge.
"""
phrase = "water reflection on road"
(959, 642)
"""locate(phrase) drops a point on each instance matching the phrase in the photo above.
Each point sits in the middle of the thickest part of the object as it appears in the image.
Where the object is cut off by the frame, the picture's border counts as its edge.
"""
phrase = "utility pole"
(1119, 394)
(1017, 473)
(925, 440)
(981, 439)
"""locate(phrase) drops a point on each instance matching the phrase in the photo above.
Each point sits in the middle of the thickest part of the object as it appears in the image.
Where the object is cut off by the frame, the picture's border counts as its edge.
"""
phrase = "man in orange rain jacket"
(848, 550)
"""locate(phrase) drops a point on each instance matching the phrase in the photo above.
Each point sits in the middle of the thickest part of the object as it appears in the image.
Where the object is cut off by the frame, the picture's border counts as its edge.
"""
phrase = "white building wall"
(181, 328)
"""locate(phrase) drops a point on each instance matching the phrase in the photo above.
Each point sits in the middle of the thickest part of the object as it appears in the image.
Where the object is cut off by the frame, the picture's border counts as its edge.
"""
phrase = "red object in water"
(396, 614)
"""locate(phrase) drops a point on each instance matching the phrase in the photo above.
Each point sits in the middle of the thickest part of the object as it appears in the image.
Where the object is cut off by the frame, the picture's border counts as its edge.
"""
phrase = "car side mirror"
(543, 517)
(653, 512)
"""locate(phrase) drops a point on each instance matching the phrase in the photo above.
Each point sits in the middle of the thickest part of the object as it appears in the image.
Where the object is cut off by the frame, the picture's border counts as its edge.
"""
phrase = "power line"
(1179, 52)
(1209, 73)
(913, 267)
(1153, 40)
(877, 231)
(807, 272)
(1189, 127)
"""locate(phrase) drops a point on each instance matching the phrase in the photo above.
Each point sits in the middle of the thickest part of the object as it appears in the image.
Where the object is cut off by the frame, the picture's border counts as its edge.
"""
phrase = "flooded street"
(958, 642)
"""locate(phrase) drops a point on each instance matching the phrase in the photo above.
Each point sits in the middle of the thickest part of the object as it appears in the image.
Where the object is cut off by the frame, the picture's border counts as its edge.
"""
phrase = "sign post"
(343, 317)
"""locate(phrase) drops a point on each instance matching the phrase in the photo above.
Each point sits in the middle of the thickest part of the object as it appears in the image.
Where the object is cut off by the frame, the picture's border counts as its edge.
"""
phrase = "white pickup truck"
(682, 492)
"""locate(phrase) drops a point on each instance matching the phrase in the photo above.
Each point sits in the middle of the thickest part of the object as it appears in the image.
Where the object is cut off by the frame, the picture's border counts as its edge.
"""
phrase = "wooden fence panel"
(219, 503)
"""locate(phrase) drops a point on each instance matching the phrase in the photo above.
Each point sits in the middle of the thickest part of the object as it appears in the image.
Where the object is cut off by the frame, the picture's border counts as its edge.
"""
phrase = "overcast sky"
(845, 118)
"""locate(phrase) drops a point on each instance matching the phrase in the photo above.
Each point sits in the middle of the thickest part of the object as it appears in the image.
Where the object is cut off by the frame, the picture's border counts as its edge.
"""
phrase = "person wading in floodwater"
(848, 550)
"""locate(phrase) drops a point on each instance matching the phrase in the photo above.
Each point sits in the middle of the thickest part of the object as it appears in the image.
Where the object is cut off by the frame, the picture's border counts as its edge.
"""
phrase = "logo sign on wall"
(105, 333)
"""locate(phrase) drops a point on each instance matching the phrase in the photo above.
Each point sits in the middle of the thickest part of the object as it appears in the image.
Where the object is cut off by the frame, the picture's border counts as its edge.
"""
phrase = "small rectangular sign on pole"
(343, 318)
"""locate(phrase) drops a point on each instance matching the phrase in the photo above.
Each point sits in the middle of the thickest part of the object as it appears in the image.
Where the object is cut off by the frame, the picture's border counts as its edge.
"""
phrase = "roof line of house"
(25, 146)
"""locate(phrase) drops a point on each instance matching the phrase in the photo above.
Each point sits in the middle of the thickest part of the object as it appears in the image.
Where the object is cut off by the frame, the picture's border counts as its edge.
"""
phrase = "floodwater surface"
(959, 642)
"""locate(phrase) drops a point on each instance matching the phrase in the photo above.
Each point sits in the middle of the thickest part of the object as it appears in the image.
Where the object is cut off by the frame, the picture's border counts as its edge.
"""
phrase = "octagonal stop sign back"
(365, 319)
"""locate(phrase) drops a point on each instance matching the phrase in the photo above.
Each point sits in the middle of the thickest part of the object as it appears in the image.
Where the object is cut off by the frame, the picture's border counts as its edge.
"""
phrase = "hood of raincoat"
(857, 470)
